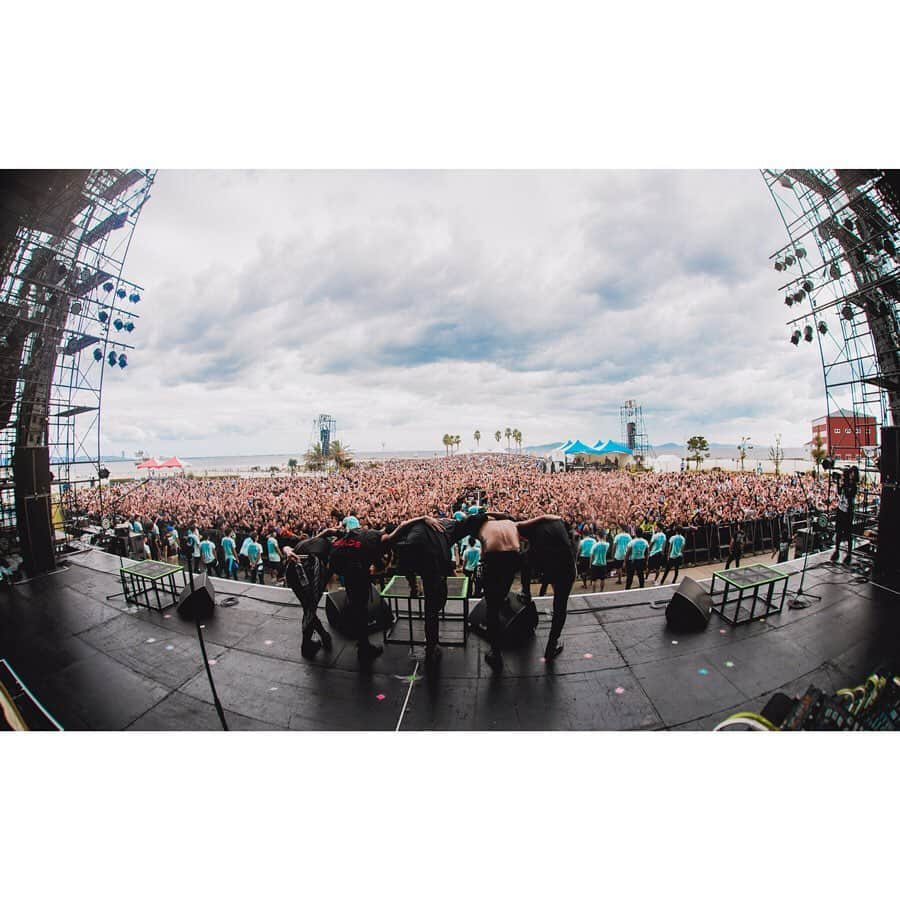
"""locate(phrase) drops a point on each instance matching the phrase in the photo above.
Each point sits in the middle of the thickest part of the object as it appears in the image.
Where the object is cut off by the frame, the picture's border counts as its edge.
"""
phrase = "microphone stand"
(212, 685)
(809, 528)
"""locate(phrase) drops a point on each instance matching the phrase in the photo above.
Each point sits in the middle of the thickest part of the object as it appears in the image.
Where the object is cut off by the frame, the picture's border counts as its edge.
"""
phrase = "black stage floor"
(95, 665)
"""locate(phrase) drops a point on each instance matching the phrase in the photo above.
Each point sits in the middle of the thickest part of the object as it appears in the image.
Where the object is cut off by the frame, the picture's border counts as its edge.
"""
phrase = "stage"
(95, 664)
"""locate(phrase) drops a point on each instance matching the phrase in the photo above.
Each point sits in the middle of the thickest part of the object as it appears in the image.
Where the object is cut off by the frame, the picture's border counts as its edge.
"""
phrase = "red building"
(845, 434)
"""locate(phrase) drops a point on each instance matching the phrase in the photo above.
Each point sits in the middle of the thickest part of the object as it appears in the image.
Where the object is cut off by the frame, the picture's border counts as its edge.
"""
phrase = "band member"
(843, 519)
(550, 552)
(501, 559)
(306, 573)
(423, 547)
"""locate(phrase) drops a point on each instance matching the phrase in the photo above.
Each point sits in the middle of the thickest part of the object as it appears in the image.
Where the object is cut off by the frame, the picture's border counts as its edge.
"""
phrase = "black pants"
(309, 602)
(672, 562)
(432, 571)
(734, 556)
(499, 570)
(635, 567)
(843, 531)
(562, 579)
(359, 588)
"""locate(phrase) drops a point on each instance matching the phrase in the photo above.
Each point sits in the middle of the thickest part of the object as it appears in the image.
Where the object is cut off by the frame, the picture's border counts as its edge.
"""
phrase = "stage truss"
(634, 432)
(66, 316)
(841, 262)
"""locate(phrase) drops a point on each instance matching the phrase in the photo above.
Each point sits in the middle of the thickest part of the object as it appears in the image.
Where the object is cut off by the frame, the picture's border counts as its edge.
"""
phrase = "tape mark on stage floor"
(412, 684)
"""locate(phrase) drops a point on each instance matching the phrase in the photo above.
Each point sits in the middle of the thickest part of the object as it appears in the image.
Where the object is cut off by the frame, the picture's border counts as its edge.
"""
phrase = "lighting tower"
(65, 315)
(843, 272)
(842, 288)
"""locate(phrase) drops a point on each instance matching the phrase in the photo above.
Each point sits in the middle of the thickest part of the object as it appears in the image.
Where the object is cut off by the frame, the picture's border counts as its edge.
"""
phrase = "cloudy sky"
(412, 304)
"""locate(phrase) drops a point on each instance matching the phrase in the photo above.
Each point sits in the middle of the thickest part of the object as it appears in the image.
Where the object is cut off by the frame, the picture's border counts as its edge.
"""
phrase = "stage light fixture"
(75, 308)
(789, 300)
(807, 286)
(112, 358)
(795, 337)
(823, 328)
(134, 298)
(801, 253)
(779, 265)
(807, 333)
(834, 270)
(129, 326)
(98, 354)
(123, 361)
(118, 324)
(108, 286)
(103, 315)
(847, 311)
(103, 473)
(120, 293)
(789, 260)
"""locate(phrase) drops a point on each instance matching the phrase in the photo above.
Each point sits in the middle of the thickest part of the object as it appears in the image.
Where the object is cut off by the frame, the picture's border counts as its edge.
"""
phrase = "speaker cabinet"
(337, 609)
(890, 455)
(199, 604)
(34, 520)
(887, 560)
(518, 620)
(690, 607)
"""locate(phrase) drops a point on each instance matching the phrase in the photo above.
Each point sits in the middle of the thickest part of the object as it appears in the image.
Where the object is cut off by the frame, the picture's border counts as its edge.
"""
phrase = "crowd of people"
(381, 494)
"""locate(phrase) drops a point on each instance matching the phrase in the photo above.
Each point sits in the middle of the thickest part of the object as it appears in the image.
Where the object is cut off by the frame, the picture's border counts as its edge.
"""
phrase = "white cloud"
(411, 304)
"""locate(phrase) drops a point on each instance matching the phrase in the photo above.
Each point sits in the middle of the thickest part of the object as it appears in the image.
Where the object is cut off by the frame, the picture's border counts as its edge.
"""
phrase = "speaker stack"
(337, 609)
(887, 560)
(518, 620)
(690, 607)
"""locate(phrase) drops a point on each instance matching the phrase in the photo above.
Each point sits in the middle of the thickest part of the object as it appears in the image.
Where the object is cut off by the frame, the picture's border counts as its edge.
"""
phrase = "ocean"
(260, 465)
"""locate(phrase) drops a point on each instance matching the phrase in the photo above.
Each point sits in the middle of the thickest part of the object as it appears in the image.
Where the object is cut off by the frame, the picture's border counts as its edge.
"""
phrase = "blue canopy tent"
(578, 447)
(607, 447)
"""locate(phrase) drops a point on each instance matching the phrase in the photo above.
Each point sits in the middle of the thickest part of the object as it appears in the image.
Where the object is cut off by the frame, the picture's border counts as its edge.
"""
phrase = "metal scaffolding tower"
(634, 434)
(325, 428)
(66, 313)
(841, 260)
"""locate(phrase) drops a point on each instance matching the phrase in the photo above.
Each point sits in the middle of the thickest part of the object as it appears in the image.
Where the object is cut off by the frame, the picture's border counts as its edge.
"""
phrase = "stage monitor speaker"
(337, 609)
(690, 607)
(518, 620)
(887, 561)
(890, 455)
(199, 604)
(34, 520)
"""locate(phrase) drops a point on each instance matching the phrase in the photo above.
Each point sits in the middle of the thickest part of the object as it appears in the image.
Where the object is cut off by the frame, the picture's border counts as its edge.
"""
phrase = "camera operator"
(843, 520)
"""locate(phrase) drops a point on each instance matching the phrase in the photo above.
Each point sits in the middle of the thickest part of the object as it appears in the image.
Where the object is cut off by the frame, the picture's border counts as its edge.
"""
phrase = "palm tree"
(776, 454)
(340, 453)
(507, 434)
(314, 458)
(497, 435)
(517, 437)
(446, 441)
(477, 437)
(292, 465)
(457, 440)
(818, 451)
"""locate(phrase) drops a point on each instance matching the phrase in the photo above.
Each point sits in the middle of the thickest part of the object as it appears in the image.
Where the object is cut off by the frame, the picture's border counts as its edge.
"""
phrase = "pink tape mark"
(379, 696)
(588, 655)
(620, 690)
